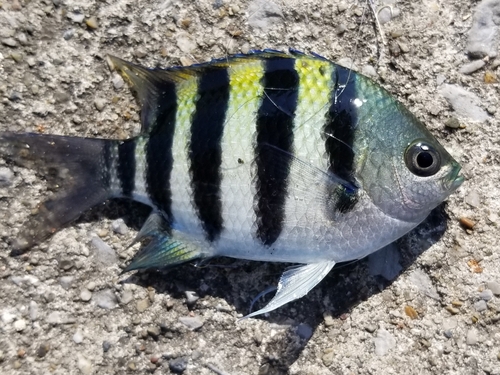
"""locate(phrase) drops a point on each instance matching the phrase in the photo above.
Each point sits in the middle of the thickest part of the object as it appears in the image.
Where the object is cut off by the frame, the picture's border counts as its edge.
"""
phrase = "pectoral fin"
(296, 283)
(164, 247)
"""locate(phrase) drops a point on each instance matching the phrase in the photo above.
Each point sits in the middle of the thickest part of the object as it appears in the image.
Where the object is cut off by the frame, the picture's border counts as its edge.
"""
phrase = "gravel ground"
(65, 309)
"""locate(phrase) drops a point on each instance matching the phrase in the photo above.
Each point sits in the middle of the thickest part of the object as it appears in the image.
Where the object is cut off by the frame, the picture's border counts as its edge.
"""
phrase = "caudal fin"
(79, 169)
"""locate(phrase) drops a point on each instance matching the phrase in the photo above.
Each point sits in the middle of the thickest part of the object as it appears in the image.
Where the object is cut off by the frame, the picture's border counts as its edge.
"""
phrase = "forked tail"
(79, 169)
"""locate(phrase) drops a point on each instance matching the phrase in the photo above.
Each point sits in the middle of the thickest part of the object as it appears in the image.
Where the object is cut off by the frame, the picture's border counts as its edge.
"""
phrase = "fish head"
(408, 172)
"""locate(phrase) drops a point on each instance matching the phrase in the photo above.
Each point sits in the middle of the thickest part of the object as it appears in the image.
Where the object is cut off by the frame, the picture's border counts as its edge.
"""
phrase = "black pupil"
(424, 160)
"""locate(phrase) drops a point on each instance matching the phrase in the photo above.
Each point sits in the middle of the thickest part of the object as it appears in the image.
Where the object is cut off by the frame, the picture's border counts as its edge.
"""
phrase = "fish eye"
(422, 159)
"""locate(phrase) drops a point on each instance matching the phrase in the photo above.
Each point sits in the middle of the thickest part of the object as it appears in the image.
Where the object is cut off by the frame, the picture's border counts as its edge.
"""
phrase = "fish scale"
(266, 156)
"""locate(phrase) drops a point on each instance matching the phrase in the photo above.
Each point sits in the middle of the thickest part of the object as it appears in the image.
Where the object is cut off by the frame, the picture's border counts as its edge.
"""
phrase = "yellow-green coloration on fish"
(266, 156)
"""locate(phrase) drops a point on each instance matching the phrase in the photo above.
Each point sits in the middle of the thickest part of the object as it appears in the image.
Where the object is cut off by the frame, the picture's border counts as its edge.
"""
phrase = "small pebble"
(486, 295)
(452, 310)
(329, 321)
(178, 365)
(143, 304)
(92, 23)
(472, 338)
(106, 345)
(467, 223)
(66, 264)
(384, 342)
(10, 42)
(327, 356)
(6, 176)
(68, 34)
(42, 350)
(20, 325)
(191, 297)
(117, 81)
(84, 365)
(99, 103)
(105, 255)
(126, 297)
(66, 282)
(154, 332)
(494, 287)
(33, 310)
(91, 285)
(452, 123)
(472, 66)
(17, 57)
(85, 295)
(78, 337)
(76, 17)
(192, 322)
(480, 306)
(106, 299)
(118, 226)
(473, 199)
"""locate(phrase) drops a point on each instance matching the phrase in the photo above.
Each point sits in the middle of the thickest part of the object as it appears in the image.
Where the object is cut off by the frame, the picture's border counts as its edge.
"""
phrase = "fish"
(266, 156)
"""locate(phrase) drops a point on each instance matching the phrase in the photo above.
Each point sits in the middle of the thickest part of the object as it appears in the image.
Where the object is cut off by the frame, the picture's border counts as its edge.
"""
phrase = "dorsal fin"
(150, 85)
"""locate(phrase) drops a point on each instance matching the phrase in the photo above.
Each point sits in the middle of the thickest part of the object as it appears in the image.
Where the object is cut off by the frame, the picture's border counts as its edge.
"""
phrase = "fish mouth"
(454, 180)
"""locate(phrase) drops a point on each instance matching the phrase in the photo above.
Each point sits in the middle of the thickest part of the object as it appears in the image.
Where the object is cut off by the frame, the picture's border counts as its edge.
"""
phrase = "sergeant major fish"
(266, 156)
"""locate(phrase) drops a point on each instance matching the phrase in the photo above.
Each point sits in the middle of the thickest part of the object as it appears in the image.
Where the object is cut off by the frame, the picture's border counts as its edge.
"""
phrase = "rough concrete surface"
(65, 308)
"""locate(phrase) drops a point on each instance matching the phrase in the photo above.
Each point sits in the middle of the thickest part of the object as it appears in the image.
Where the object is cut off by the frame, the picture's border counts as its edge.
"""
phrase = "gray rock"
(472, 338)
(472, 67)
(106, 299)
(483, 35)
(473, 199)
(20, 325)
(78, 337)
(263, 14)
(143, 304)
(192, 322)
(84, 365)
(33, 311)
(126, 297)
(66, 282)
(104, 254)
(463, 102)
(450, 323)
(15, 96)
(424, 283)
(10, 42)
(186, 44)
(76, 17)
(106, 345)
(385, 262)
(85, 295)
(480, 305)
(118, 226)
(178, 365)
(117, 81)
(68, 34)
(22, 38)
(384, 342)
(494, 287)
(486, 295)
(386, 14)
(191, 297)
(6, 176)
(99, 103)
(61, 97)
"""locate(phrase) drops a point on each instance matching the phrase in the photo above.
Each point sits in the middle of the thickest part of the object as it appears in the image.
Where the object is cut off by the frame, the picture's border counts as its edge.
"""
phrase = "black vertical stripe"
(205, 151)
(339, 130)
(106, 160)
(274, 132)
(126, 166)
(159, 158)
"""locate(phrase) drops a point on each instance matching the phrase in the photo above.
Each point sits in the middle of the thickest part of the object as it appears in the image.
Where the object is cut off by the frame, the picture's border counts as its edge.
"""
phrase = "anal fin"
(295, 283)
(163, 248)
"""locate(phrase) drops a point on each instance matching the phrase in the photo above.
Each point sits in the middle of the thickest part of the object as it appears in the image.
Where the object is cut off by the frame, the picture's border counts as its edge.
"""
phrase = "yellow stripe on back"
(182, 208)
(313, 103)
(237, 188)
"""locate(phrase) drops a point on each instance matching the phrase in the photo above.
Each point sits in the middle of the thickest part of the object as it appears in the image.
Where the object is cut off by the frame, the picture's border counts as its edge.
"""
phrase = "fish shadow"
(238, 282)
